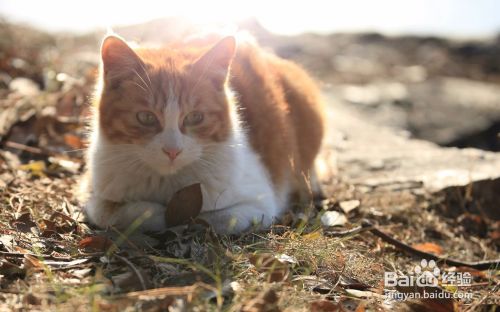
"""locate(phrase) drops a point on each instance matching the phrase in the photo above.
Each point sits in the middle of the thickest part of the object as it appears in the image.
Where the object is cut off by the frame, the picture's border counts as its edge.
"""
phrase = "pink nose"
(172, 153)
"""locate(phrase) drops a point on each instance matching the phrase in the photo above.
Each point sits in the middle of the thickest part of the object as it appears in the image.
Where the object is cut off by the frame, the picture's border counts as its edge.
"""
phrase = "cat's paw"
(144, 215)
(236, 220)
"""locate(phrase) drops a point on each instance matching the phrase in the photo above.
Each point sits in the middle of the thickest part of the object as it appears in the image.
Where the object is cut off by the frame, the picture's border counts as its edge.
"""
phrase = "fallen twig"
(134, 269)
(165, 291)
(368, 226)
(47, 257)
(478, 265)
(21, 255)
(353, 231)
(27, 148)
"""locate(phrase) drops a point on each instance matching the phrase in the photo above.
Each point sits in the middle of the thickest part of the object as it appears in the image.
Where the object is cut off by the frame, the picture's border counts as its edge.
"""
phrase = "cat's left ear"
(118, 59)
(215, 63)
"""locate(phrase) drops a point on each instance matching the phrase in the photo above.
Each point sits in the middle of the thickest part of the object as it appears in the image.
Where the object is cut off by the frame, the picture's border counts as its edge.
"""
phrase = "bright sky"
(442, 17)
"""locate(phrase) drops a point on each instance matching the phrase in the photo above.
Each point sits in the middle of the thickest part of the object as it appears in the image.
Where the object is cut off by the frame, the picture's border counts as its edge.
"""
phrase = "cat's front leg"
(238, 218)
(147, 216)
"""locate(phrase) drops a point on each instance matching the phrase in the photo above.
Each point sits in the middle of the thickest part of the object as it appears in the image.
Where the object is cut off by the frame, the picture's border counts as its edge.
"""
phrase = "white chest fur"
(234, 176)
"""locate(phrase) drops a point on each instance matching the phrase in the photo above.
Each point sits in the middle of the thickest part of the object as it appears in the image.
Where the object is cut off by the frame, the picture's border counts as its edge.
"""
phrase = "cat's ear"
(118, 59)
(215, 63)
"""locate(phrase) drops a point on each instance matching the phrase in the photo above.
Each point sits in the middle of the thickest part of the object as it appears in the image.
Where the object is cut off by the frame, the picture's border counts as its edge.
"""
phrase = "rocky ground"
(394, 103)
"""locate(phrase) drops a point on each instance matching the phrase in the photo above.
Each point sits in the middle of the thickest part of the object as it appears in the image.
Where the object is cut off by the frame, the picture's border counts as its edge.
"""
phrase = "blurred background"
(427, 69)
(413, 91)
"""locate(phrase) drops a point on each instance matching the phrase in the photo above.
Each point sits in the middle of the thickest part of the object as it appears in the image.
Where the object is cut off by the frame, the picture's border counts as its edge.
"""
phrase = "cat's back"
(281, 108)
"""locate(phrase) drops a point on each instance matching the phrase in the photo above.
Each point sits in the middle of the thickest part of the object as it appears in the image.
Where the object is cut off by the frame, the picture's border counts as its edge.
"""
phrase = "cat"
(243, 123)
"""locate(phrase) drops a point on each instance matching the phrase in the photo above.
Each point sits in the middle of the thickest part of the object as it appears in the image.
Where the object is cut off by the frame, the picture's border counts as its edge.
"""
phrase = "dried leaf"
(324, 306)
(73, 141)
(352, 283)
(81, 273)
(48, 228)
(31, 299)
(60, 255)
(429, 247)
(264, 302)
(475, 273)
(184, 206)
(58, 215)
(95, 243)
(5, 179)
(361, 307)
(7, 242)
(274, 269)
(312, 236)
(21, 250)
(474, 224)
(435, 305)
(32, 263)
(11, 270)
(130, 281)
(47, 225)
(24, 223)
(63, 224)
(314, 283)
(495, 235)
(363, 293)
(37, 168)
(333, 218)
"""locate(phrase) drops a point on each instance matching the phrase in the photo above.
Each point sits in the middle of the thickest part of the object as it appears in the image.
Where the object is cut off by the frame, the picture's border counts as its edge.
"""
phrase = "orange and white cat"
(240, 121)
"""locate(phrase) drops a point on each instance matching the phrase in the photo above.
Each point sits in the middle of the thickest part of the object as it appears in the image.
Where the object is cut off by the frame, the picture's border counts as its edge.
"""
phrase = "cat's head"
(164, 107)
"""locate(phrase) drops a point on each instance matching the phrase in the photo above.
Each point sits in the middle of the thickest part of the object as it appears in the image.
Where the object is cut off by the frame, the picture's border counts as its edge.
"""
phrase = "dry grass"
(48, 265)
(51, 260)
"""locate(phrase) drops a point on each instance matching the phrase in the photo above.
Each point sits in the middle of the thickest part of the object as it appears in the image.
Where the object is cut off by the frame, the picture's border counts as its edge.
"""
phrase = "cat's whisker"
(119, 158)
(115, 162)
(135, 83)
(129, 148)
(74, 150)
(148, 87)
(204, 73)
(146, 72)
(219, 145)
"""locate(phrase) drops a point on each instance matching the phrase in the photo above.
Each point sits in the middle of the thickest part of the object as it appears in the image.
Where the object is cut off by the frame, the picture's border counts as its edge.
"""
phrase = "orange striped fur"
(150, 97)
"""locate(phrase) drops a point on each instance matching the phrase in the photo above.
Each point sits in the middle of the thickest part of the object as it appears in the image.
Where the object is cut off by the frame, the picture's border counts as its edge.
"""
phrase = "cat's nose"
(172, 153)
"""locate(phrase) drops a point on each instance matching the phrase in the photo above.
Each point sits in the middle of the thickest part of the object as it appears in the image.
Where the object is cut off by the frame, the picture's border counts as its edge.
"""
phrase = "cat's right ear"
(118, 59)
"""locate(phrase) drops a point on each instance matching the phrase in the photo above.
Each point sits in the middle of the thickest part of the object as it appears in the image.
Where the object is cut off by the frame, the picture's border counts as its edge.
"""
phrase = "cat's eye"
(193, 119)
(146, 118)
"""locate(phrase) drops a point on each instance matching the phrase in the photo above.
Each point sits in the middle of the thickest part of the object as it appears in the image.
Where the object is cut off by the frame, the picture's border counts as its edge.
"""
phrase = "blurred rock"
(447, 111)
(24, 86)
(403, 162)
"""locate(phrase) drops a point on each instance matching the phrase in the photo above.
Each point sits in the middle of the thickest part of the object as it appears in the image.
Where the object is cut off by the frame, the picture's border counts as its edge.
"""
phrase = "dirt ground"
(335, 259)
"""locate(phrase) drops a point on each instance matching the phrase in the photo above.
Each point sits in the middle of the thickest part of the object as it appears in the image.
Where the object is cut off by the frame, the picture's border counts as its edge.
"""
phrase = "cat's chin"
(167, 170)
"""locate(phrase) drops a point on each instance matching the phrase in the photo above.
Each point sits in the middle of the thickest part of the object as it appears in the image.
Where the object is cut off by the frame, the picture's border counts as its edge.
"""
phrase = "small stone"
(333, 218)
(24, 86)
(349, 205)
(286, 258)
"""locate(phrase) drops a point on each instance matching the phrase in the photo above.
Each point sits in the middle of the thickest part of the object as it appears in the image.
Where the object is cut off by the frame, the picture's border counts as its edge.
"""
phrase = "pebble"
(24, 86)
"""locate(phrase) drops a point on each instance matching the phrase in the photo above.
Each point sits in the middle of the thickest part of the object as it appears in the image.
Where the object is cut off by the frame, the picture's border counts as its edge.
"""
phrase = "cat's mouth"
(168, 166)
(169, 169)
